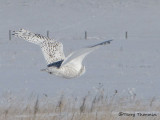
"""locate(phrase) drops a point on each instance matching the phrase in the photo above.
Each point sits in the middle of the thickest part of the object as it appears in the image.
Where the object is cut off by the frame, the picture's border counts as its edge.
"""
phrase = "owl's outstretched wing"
(77, 57)
(30, 37)
(52, 50)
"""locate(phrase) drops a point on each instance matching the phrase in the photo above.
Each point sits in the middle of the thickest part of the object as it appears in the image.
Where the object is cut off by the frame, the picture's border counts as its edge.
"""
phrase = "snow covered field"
(130, 65)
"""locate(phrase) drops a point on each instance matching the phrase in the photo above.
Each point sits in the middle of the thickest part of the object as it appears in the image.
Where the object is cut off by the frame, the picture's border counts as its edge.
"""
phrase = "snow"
(124, 65)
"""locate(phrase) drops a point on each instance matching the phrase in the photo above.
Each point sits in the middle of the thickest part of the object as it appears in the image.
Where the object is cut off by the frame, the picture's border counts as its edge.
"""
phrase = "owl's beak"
(43, 70)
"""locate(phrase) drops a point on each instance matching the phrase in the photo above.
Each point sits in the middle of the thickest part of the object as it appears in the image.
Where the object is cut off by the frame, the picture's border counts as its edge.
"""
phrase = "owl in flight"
(59, 65)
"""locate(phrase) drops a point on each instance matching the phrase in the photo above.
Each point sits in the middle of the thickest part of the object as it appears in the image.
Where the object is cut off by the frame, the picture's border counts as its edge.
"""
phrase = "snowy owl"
(59, 65)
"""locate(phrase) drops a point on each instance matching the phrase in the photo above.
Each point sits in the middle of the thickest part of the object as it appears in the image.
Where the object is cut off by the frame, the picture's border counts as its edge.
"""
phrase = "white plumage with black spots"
(52, 50)
(59, 65)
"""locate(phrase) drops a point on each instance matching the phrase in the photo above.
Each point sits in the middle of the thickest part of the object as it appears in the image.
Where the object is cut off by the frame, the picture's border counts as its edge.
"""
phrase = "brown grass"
(98, 107)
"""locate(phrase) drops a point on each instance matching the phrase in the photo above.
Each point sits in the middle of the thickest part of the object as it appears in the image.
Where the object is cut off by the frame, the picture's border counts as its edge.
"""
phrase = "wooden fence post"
(85, 35)
(10, 34)
(126, 35)
(48, 33)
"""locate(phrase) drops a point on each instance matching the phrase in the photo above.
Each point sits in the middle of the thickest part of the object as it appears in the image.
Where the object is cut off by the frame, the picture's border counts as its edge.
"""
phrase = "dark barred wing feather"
(52, 50)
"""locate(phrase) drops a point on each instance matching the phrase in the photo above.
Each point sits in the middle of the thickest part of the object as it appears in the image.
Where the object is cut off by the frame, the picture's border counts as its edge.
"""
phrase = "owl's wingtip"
(109, 41)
